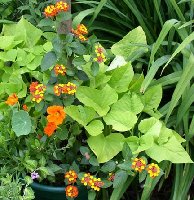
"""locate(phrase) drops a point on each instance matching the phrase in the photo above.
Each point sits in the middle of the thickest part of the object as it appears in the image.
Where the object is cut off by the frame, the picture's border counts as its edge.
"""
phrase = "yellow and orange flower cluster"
(71, 191)
(12, 99)
(139, 164)
(60, 69)
(94, 183)
(56, 115)
(71, 176)
(153, 170)
(69, 88)
(53, 10)
(37, 91)
(80, 31)
(100, 56)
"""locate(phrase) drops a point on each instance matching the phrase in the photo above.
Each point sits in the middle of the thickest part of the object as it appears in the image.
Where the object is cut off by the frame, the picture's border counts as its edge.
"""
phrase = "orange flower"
(82, 29)
(50, 128)
(71, 176)
(50, 11)
(61, 6)
(12, 100)
(25, 107)
(69, 88)
(153, 170)
(71, 191)
(60, 69)
(56, 114)
(138, 164)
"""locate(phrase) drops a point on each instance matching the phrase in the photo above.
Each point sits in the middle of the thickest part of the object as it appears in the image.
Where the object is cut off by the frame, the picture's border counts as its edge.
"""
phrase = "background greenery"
(168, 25)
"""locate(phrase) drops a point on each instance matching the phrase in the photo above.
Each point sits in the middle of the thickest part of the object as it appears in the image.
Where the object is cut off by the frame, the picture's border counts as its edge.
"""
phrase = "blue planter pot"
(45, 192)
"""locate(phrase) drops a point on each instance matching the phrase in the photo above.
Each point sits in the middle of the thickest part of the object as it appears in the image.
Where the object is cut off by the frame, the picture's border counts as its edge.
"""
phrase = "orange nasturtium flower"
(50, 128)
(12, 99)
(153, 170)
(138, 164)
(71, 191)
(71, 176)
(56, 114)
(59, 69)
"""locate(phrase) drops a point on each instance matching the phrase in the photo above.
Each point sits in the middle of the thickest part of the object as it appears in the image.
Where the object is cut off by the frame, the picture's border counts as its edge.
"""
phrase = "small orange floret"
(153, 170)
(82, 38)
(138, 164)
(71, 176)
(56, 114)
(25, 107)
(50, 11)
(12, 100)
(71, 191)
(50, 128)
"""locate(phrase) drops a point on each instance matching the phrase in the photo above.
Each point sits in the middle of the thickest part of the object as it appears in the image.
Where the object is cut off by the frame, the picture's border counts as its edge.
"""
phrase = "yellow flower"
(138, 164)
(153, 170)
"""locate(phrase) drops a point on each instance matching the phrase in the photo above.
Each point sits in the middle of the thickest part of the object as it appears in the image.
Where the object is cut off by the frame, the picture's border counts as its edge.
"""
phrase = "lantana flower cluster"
(53, 10)
(139, 164)
(37, 91)
(100, 54)
(92, 182)
(80, 32)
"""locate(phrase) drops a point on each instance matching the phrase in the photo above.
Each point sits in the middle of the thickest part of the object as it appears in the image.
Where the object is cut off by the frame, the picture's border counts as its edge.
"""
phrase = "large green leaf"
(129, 102)
(121, 78)
(21, 123)
(150, 126)
(152, 98)
(95, 127)
(105, 148)
(48, 60)
(99, 100)
(7, 42)
(171, 150)
(132, 45)
(24, 31)
(82, 115)
(121, 120)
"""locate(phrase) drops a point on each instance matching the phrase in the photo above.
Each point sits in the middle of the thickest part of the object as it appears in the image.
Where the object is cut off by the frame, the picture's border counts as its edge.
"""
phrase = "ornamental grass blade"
(165, 29)
(177, 9)
(186, 103)
(185, 78)
(151, 73)
(97, 10)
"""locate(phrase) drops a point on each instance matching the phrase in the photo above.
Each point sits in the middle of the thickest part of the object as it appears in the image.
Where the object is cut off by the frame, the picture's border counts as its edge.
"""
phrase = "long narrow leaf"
(187, 75)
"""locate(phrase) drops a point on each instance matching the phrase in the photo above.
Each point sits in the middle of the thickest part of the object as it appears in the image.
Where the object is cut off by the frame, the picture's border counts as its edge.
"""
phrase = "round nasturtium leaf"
(21, 123)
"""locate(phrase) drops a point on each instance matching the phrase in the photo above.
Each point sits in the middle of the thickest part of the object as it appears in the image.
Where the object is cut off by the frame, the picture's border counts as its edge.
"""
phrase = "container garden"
(45, 192)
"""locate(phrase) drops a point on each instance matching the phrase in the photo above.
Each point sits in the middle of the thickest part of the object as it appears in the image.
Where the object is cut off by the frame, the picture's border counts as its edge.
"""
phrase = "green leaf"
(95, 127)
(21, 123)
(171, 150)
(24, 31)
(83, 115)
(99, 100)
(91, 195)
(121, 120)
(120, 178)
(121, 78)
(129, 102)
(105, 148)
(126, 152)
(108, 166)
(132, 45)
(48, 61)
(152, 98)
(150, 126)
